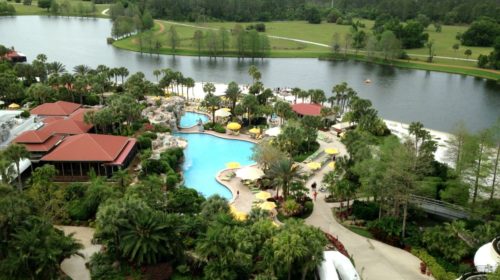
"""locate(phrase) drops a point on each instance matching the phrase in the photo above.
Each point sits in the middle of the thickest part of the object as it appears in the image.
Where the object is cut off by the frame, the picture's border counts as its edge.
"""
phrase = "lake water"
(439, 100)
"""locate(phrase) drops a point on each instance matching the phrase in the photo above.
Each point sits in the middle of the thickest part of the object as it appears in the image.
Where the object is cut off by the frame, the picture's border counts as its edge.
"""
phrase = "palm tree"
(144, 238)
(208, 88)
(303, 94)
(157, 73)
(81, 69)
(295, 92)
(123, 72)
(284, 171)
(189, 84)
(212, 102)
(56, 68)
(233, 92)
(15, 153)
(122, 177)
(6, 169)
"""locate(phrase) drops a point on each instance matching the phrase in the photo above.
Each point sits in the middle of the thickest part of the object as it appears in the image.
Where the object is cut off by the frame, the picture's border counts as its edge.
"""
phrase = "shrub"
(154, 166)
(386, 229)
(144, 143)
(150, 135)
(25, 114)
(365, 210)
(160, 128)
(290, 208)
(437, 270)
(260, 27)
(308, 208)
(172, 180)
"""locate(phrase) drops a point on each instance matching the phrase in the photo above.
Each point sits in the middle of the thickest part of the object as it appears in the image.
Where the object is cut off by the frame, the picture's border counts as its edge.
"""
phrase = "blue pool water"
(191, 119)
(206, 155)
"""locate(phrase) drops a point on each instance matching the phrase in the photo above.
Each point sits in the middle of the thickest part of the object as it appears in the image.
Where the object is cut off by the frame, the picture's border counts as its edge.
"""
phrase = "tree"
(250, 105)
(430, 47)
(468, 53)
(157, 74)
(212, 102)
(36, 250)
(239, 40)
(189, 83)
(173, 39)
(389, 45)
(284, 171)
(335, 43)
(208, 88)
(266, 154)
(212, 43)
(481, 32)
(460, 151)
(40, 92)
(16, 153)
(122, 177)
(455, 47)
(482, 154)
(312, 15)
(254, 72)
(496, 158)
(233, 93)
(283, 110)
(198, 40)
(45, 4)
(224, 39)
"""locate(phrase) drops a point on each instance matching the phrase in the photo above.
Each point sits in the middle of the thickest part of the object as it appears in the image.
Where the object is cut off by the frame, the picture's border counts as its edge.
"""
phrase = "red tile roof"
(59, 108)
(307, 109)
(45, 146)
(79, 114)
(67, 126)
(33, 136)
(123, 155)
(89, 147)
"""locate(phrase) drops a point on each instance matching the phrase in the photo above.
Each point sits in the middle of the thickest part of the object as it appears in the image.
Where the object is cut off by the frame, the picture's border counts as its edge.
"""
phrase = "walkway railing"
(441, 208)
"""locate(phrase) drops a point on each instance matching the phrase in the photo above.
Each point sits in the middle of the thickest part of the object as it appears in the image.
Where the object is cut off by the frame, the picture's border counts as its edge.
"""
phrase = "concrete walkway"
(373, 259)
(75, 267)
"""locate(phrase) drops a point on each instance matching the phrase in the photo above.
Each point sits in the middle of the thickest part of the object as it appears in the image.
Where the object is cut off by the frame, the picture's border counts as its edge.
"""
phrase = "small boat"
(368, 81)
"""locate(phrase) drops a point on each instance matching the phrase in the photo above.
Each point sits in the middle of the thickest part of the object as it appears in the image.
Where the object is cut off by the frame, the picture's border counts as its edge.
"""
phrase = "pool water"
(206, 155)
(191, 119)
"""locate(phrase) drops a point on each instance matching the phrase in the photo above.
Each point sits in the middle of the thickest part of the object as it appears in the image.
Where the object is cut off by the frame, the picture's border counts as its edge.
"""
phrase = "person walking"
(315, 194)
(313, 186)
(237, 193)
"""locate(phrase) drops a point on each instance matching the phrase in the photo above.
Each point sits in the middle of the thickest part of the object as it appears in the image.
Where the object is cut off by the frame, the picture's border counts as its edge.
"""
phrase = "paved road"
(373, 260)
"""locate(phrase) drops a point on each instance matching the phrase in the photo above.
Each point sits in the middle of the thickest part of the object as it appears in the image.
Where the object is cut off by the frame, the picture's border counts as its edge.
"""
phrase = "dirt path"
(162, 27)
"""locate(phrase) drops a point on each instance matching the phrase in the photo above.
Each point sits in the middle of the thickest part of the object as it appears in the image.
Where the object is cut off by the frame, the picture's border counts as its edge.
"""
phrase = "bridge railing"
(437, 203)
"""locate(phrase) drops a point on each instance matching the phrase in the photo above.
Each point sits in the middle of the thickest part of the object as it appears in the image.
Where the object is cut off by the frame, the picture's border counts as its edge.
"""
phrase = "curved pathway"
(373, 259)
(105, 12)
(75, 266)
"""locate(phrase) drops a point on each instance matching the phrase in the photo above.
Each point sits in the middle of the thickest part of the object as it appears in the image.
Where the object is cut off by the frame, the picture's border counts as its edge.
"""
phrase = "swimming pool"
(191, 119)
(206, 155)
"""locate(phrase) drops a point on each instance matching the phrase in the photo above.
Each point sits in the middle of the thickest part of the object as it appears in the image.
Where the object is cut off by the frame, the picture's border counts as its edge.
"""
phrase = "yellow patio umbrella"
(226, 109)
(263, 195)
(331, 151)
(268, 205)
(255, 130)
(275, 224)
(314, 165)
(238, 215)
(14, 106)
(233, 165)
(332, 165)
(233, 126)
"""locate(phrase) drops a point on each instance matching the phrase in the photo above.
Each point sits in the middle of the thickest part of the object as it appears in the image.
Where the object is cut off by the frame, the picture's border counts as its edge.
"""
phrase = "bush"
(172, 180)
(333, 15)
(308, 208)
(160, 128)
(481, 33)
(438, 272)
(154, 166)
(386, 229)
(144, 143)
(217, 127)
(150, 135)
(25, 114)
(365, 210)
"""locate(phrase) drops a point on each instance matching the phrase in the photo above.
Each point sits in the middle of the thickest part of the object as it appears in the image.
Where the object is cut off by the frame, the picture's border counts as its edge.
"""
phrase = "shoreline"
(442, 139)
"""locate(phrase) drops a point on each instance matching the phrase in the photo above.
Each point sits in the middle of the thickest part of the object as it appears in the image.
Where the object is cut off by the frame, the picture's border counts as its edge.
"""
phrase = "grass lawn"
(33, 9)
(360, 231)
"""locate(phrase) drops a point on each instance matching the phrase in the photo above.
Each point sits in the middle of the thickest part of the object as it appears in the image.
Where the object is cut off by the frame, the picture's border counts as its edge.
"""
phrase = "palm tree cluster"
(168, 78)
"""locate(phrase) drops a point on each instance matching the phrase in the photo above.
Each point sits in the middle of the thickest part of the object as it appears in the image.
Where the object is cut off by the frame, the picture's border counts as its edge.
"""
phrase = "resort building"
(14, 56)
(78, 154)
(307, 109)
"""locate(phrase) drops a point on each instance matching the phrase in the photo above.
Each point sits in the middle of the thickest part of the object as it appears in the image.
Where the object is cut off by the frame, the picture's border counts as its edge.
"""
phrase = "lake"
(439, 100)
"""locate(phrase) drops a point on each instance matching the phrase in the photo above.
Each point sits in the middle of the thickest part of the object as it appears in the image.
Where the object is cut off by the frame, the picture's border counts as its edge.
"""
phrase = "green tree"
(389, 45)
(266, 154)
(16, 153)
(45, 4)
(212, 43)
(173, 39)
(284, 171)
(224, 39)
(198, 40)
(212, 102)
(233, 93)
(468, 53)
(455, 47)
(482, 153)
(250, 105)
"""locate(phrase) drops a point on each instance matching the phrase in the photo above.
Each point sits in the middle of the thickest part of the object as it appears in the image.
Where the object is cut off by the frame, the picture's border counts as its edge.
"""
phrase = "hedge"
(438, 272)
